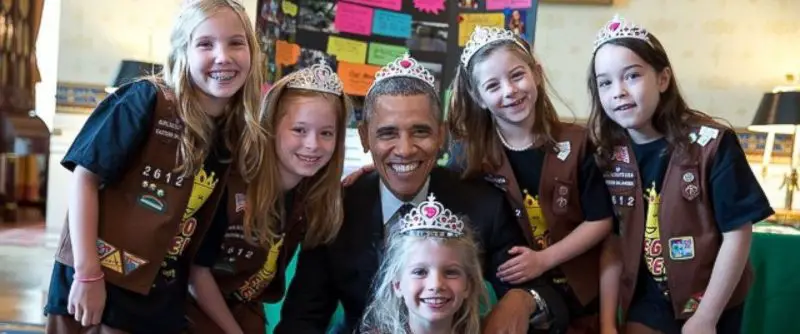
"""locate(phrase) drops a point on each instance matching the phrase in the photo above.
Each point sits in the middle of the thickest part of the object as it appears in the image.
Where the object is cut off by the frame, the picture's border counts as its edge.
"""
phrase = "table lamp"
(779, 112)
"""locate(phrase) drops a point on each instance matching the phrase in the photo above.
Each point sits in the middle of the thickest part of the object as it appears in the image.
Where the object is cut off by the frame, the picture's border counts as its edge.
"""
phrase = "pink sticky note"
(353, 19)
(388, 4)
(503, 4)
(429, 6)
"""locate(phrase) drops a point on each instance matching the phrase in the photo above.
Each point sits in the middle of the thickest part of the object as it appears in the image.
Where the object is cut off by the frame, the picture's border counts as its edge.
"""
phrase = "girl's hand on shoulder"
(350, 179)
(525, 265)
(86, 301)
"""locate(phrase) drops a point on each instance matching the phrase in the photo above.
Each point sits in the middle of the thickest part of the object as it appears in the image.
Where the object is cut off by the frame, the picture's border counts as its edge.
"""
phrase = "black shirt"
(111, 136)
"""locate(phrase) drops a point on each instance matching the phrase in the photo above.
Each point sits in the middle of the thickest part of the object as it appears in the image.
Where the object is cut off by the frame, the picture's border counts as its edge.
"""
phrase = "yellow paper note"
(289, 8)
(469, 21)
(348, 50)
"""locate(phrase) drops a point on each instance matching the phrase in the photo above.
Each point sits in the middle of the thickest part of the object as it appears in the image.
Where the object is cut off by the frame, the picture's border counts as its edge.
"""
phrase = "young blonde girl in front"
(684, 193)
(430, 279)
(148, 169)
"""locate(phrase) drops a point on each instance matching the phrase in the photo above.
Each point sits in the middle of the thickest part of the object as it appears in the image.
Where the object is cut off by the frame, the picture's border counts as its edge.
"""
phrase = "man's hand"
(511, 315)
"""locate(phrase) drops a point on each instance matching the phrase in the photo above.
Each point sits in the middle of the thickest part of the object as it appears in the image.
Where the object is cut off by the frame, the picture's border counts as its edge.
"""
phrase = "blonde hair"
(387, 313)
(472, 126)
(321, 194)
(243, 135)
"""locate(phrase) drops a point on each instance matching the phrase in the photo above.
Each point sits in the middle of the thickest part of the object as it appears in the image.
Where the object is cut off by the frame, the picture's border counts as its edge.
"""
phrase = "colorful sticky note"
(353, 19)
(392, 24)
(347, 49)
(429, 6)
(503, 4)
(382, 54)
(286, 53)
(469, 21)
(289, 8)
(388, 4)
(356, 78)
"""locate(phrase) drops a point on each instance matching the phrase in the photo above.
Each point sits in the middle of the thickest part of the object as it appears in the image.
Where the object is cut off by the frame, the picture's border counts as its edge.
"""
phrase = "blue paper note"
(391, 24)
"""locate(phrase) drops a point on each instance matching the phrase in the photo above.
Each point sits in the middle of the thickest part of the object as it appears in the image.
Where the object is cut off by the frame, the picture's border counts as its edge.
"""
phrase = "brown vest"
(559, 198)
(140, 215)
(241, 269)
(690, 238)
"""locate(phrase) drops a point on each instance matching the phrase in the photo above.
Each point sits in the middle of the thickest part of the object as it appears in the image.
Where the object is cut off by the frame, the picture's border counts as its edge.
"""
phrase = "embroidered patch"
(681, 248)
(561, 202)
(621, 154)
(132, 262)
(688, 177)
(693, 302)
(563, 149)
(112, 261)
(620, 179)
(241, 202)
(153, 203)
(104, 248)
(623, 200)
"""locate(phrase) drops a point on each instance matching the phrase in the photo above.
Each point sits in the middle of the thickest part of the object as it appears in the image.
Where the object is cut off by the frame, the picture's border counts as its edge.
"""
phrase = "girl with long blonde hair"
(149, 168)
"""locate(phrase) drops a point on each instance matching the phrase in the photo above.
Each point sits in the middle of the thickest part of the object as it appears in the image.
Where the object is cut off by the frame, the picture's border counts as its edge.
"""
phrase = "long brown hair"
(673, 118)
(473, 127)
(243, 135)
(320, 194)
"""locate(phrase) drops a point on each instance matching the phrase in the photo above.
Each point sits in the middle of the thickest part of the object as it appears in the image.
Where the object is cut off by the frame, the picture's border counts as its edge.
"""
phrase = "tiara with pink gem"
(404, 66)
(318, 77)
(483, 36)
(431, 219)
(618, 28)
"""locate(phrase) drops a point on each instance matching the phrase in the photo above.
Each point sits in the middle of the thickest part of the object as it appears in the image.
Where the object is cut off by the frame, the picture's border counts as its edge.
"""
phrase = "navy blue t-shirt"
(112, 135)
(737, 199)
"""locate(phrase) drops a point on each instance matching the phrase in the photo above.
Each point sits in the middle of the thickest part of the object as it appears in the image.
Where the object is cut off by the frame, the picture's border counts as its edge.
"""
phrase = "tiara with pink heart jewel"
(618, 28)
(431, 219)
(404, 66)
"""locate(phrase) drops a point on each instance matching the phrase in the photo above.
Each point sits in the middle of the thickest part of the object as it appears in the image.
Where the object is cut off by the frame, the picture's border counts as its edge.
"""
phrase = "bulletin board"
(357, 37)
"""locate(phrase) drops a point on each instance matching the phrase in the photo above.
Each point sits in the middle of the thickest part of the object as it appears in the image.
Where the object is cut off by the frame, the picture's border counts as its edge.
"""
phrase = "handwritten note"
(392, 24)
(347, 49)
(289, 8)
(503, 4)
(356, 78)
(382, 54)
(286, 53)
(469, 21)
(353, 19)
(429, 6)
(388, 4)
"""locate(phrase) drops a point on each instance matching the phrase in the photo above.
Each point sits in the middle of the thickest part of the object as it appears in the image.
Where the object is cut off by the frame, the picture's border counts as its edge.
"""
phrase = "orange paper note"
(286, 53)
(356, 77)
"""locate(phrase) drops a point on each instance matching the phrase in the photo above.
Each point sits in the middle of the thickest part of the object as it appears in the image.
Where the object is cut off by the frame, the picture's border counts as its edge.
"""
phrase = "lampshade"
(778, 112)
(130, 70)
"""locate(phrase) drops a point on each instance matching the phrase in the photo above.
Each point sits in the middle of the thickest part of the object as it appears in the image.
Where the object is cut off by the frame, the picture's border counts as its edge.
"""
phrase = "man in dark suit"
(404, 131)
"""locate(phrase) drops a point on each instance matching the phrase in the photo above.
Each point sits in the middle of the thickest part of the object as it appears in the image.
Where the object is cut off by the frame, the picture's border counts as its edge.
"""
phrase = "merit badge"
(621, 154)
(563, 190)
(688, 177)
(681, 248)
(132, 262)
(240, 200)
(709, 132)
(693, 302)
(563, 148)
(112, 261)
(561, 202)
(104, 248)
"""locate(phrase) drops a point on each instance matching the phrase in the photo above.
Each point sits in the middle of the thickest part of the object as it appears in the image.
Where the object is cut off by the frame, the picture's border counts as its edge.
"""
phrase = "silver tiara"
(431, 219)
(318, 77)
(483, 36)
(404, 66)
(618, 28)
